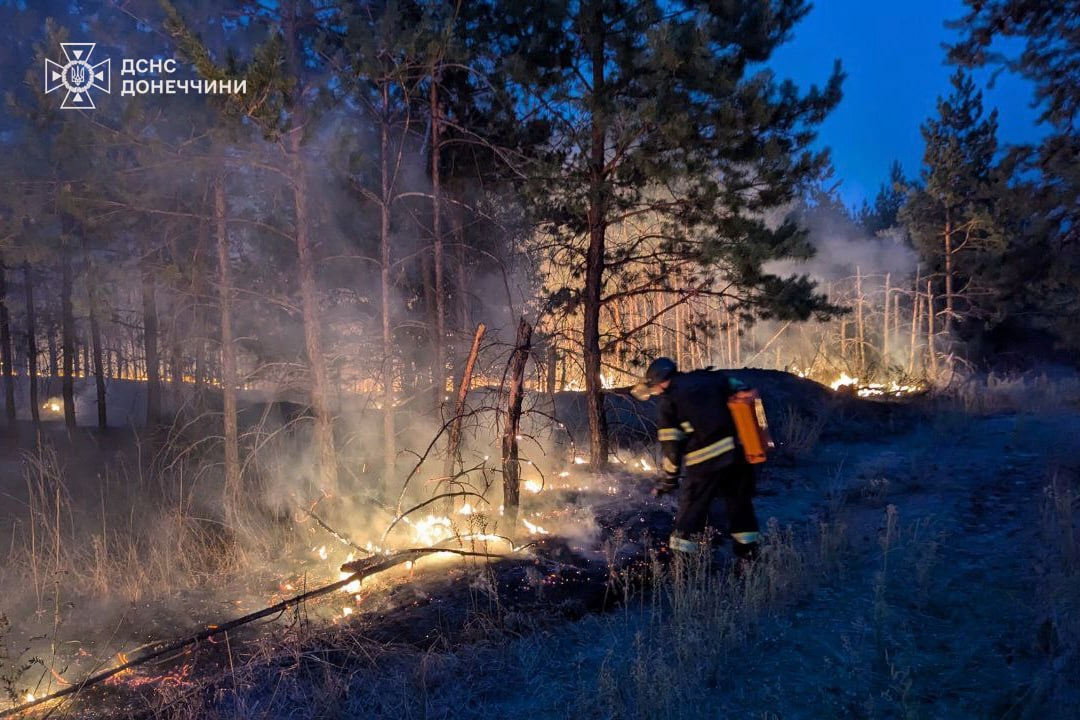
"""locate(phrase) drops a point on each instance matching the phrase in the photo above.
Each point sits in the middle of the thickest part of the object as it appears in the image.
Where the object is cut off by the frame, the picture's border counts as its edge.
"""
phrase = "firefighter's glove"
(665, 484)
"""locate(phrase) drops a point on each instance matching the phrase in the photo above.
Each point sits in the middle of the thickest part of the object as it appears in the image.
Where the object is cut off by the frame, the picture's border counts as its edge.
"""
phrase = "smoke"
(843, 249)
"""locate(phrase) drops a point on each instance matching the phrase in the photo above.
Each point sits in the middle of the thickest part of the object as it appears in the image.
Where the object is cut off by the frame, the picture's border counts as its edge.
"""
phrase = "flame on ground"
(534, 529)
(871, 389)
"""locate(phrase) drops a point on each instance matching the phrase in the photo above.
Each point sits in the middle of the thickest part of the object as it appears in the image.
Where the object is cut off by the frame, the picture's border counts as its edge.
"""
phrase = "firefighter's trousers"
(735, 484)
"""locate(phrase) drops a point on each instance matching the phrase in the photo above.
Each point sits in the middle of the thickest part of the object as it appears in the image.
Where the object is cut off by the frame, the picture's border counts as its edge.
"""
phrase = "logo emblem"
(77, 76)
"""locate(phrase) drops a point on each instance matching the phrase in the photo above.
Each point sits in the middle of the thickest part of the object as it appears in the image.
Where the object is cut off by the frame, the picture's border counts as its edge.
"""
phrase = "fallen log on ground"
(358, 569)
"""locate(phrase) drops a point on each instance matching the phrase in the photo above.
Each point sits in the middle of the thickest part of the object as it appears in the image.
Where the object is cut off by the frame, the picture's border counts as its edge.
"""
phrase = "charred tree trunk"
(99, 368)
(233, 492)
(389, 426)
(463, 290)
(67, 320)
(453, 444)
(54, 353)
(511, 466)
(150, 348)
(439, 354)
(594, 261)
(198, 318)
(31, 344)
(6, 349)
(552, 365)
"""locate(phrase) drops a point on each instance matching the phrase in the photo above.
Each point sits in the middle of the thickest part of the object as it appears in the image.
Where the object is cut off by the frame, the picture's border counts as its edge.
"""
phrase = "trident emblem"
(77, 76)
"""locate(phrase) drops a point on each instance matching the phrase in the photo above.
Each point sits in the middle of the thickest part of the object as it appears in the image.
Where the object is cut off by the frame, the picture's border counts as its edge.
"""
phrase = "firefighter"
(696, 429)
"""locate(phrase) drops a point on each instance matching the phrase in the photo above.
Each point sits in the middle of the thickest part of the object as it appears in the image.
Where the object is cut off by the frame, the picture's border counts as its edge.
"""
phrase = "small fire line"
(360, 569)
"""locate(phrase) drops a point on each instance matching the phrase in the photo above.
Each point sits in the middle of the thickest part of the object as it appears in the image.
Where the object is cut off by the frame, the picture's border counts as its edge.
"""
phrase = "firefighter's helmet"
(659, 370)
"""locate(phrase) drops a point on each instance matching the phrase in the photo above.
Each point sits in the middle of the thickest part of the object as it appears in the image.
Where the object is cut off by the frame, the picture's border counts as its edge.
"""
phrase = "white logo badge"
(77, 76)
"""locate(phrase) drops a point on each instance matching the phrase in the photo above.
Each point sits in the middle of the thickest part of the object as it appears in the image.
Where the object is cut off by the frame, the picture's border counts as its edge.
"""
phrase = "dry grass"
(798, 433)
(1027, 393)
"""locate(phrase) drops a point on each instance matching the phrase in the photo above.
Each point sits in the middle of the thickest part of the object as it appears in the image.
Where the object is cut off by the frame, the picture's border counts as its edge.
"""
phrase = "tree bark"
(860, 329)
(54, 353)
(6, 349)
(150, 348)
(233, 490)
(67, 338)
(594, 260)
(453, 445)
(99, 368)
(552, 364)
(885, 327)
(930, 344)
(439, 354)
(389, 426)
(31, 344)
(511, 466)
(324, 430)
(916, 320)
(948, 274)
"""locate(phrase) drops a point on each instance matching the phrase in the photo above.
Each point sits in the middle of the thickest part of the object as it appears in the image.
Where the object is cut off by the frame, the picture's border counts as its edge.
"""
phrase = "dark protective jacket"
(694, 423)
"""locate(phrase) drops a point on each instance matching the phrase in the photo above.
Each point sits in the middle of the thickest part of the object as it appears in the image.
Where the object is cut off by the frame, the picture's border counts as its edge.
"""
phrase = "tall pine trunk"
(439, 348)
(6, 353)
(324, 429)
(389, 430)
(228, 354)
(948, 275)
(150, 348)
(67, 321)
(594, 261)
(31, 344)
(99, 366)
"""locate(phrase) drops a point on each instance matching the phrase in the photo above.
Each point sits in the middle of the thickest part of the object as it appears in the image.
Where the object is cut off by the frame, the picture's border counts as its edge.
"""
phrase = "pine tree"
(664, 115)
(885, 212)
(951, 215)
(1046, 174)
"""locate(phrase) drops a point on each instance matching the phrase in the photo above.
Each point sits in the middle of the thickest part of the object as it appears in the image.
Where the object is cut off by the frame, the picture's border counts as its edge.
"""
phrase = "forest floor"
(931, 571)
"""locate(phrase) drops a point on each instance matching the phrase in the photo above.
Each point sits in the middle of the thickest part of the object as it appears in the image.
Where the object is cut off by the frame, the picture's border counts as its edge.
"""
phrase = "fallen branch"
(358, 569)
(334, 532)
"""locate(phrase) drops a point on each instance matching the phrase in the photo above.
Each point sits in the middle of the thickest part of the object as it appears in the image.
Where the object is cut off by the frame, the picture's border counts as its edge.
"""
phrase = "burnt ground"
(955, 616)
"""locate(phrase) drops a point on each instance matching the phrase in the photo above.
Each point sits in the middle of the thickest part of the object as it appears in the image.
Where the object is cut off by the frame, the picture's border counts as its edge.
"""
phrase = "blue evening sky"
(895, 65)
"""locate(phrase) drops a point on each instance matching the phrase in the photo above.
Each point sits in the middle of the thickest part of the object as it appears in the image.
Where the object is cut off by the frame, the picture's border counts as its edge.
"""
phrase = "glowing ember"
(564, 473)
(346, 612)
(30, 697)
(645, 465)
(579, 460)
(534, 486)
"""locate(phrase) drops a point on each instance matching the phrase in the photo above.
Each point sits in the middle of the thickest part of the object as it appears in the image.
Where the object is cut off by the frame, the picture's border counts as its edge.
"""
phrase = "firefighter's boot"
(684, 554)
(747, 550)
